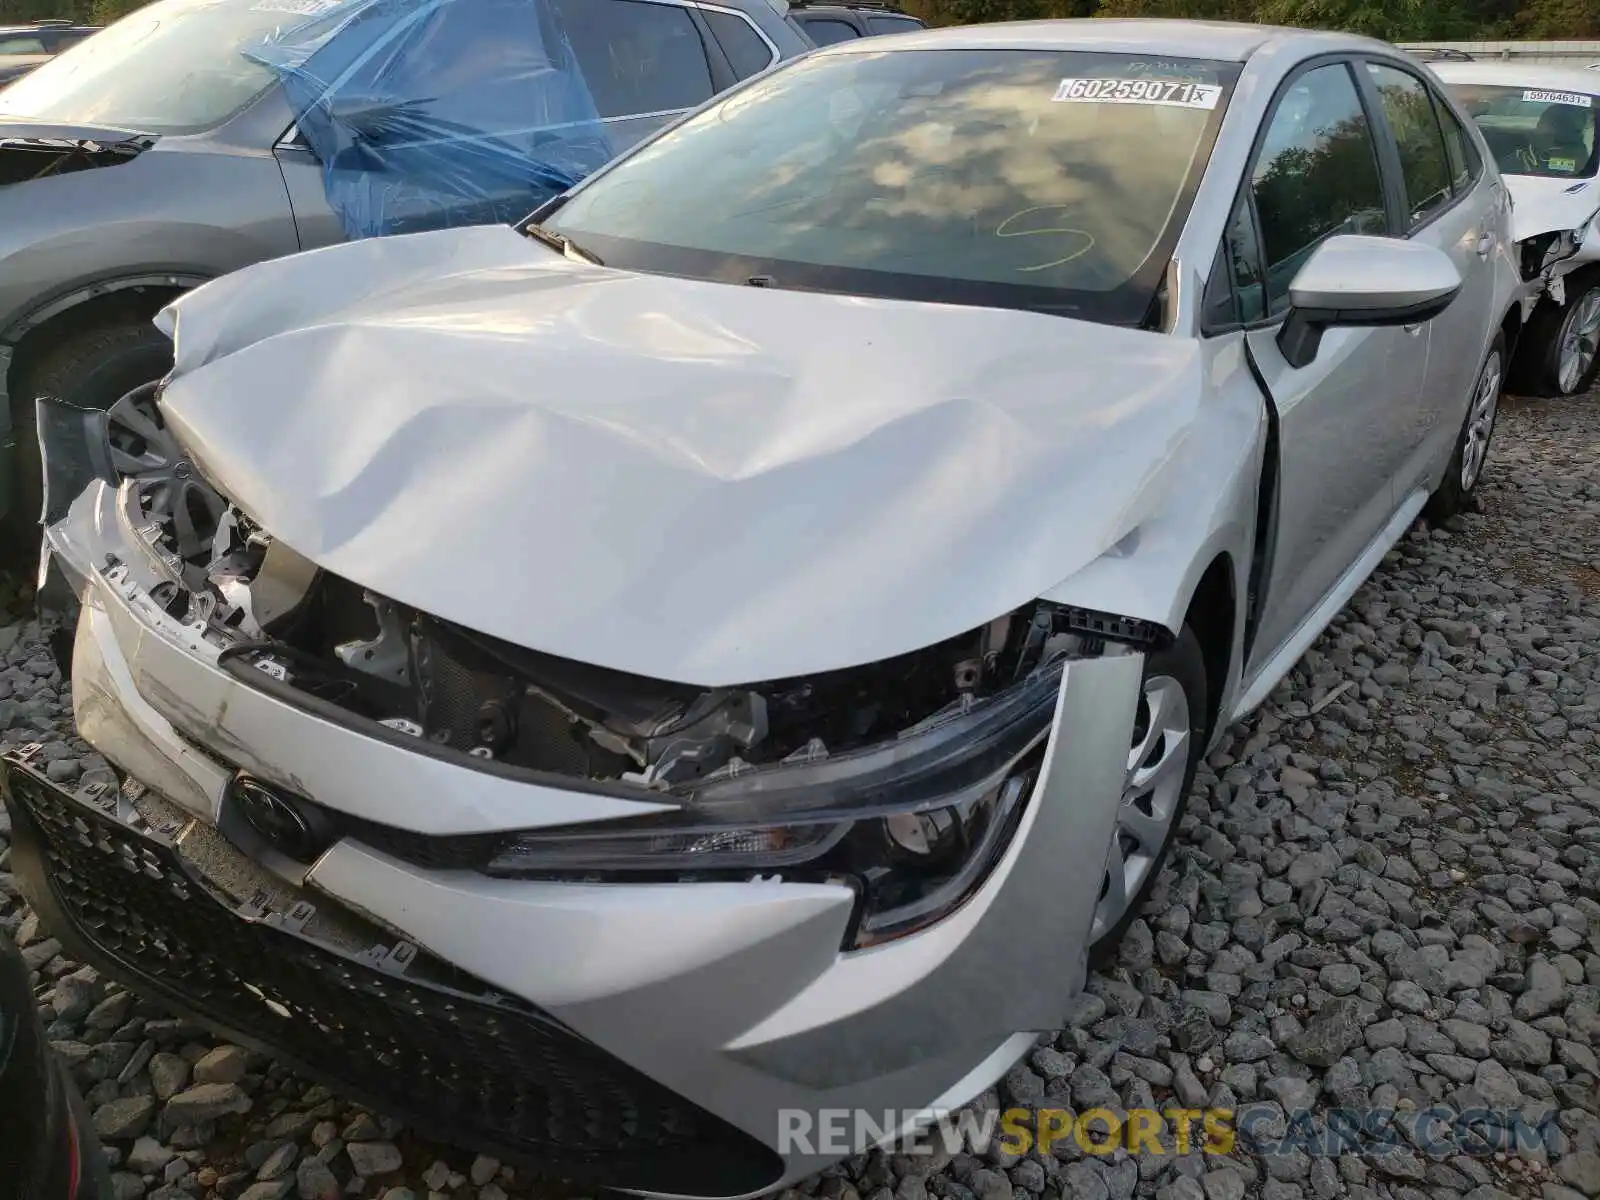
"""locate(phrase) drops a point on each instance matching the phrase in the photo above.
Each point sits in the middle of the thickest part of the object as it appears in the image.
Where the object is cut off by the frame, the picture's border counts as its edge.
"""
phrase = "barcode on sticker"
(1174, 92)
(1576, 99)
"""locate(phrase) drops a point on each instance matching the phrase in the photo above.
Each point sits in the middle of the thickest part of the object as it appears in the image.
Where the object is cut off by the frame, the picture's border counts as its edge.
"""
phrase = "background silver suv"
(156, 156)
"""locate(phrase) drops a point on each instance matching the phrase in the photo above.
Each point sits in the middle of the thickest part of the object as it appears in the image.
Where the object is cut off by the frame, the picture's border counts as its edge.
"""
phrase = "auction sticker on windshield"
(1576, 99)
(1173, 92)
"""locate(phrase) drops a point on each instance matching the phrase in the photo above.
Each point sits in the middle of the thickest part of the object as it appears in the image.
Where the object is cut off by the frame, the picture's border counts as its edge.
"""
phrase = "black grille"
(455, 1059)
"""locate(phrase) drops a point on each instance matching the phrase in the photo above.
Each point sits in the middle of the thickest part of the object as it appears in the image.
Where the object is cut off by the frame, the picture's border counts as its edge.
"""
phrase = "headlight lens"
(914, 824)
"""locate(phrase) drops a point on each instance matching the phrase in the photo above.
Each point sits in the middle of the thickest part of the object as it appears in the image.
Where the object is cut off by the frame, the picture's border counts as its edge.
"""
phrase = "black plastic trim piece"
(1130, 631)
(1267, 500)
(1300, 337)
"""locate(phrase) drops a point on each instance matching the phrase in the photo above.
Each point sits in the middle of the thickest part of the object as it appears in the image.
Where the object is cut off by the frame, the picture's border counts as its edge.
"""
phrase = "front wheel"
(1563, 341)
(1169, 736)
(1472, 442)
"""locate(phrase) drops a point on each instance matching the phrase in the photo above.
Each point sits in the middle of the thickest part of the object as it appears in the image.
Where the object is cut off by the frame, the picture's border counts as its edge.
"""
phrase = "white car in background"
(1542, 124)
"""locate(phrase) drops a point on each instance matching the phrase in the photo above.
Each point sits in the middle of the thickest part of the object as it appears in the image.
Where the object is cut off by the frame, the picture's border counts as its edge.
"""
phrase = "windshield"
(1535, 131)
(1011, 178)
(172, 67)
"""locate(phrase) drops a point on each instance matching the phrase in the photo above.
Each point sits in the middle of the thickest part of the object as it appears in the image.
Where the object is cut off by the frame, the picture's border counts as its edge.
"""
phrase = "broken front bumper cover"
(731, 1000)
(389, 1025)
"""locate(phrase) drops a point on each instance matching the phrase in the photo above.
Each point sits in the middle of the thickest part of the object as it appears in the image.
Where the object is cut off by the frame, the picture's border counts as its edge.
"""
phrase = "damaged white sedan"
(628, 693)
(1542, 123)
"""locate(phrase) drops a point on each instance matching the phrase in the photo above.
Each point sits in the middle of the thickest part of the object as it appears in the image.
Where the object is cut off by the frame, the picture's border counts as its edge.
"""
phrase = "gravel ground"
(1386, 897)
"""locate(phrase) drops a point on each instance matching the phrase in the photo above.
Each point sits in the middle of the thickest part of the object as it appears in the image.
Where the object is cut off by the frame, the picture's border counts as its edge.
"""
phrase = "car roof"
(1523, 74)
(1223, 40)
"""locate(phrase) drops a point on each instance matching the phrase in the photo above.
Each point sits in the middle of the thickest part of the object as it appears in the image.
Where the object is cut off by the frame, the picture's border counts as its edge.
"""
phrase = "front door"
(1343, 417)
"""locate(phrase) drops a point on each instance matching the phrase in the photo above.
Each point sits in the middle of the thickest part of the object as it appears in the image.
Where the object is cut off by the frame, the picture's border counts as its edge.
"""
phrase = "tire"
(1473, 440)
(1547, 340)
(92, 368)
(1181, 665)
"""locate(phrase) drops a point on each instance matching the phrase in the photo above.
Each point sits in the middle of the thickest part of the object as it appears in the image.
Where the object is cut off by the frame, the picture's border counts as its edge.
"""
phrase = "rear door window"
(825, 31)
(1459, 151)
(637, 57)
(747, 53)
(1424, 164)
(886, 24)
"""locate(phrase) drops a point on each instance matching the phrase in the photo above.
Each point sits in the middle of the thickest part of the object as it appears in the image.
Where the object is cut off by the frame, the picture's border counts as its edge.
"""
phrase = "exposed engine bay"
(348, 649)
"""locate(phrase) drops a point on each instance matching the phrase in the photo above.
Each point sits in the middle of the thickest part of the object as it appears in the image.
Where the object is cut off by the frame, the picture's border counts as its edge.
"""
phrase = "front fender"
(1208, 508)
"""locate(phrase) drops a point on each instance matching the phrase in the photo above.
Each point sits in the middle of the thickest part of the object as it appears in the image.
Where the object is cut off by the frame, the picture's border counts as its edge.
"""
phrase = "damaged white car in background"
(1542, 123)
(733, 648)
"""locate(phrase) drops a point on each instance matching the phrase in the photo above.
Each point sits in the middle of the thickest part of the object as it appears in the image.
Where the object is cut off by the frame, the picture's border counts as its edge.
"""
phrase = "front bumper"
(658, 1037)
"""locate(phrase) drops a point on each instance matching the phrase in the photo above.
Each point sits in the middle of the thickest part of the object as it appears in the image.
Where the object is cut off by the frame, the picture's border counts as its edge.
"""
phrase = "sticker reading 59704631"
(1575, 99)
(1178, 93)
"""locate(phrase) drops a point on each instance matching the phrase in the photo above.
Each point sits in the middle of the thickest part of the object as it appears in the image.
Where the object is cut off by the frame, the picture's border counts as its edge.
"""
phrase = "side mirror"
(1354, 279)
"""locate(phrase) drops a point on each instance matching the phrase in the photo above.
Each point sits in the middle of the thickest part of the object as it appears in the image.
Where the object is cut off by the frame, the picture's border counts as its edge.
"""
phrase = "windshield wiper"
(561, 242)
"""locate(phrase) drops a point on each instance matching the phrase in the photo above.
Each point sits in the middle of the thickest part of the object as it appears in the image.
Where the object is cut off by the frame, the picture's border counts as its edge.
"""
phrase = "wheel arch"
(83, 307)
(1213, 614)
(1511, 325)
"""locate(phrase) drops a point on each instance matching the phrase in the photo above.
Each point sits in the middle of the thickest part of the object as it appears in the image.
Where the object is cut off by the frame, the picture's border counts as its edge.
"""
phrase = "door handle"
(1485, 245)
(1413, 330)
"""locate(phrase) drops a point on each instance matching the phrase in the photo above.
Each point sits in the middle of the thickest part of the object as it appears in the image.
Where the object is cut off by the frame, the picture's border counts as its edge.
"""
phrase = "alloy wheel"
(1480, 421)
(1579, 341)
(1152, 789)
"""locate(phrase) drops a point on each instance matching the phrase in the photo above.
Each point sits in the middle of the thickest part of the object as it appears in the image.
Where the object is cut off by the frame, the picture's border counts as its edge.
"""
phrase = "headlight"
(914, 824)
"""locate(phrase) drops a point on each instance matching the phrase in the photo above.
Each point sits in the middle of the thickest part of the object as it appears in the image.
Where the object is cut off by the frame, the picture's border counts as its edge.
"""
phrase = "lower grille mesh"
(458, 1061)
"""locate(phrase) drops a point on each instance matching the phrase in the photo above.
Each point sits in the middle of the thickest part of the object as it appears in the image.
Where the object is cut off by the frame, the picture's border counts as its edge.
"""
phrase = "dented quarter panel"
(619, 426)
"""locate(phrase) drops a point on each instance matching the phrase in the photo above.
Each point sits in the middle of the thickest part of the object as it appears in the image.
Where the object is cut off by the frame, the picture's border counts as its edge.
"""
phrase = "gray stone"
(483, 1169)
(148, 1156)
(206, 1102)
(1340, 979)
(1223, 1185)
(169, 1074)
(1580, 1171)
(314, 1181)
(1495, 1084)
(279, 1162)
(225, 1064)
(127, 1118)
(1544, 990)
(1336, 1027)
(375, 1158)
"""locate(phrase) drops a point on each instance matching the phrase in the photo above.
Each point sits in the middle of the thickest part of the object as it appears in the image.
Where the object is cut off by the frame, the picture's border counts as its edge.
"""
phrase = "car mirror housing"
(1355, 279)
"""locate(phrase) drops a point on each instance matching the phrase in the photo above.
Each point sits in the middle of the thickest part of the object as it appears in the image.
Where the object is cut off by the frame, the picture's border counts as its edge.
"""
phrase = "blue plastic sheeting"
(434, 113)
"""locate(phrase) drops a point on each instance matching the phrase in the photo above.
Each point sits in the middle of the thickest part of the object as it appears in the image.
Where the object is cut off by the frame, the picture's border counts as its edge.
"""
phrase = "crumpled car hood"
(693, 481)
(1542, 205)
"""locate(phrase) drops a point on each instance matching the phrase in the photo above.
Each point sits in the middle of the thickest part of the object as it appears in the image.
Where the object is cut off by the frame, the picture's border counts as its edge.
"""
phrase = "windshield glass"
(1011, 178)
(1535, 131)
(172, 67)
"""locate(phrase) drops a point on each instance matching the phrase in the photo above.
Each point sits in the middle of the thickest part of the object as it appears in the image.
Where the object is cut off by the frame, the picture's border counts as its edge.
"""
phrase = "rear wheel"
(92, 368)
(1562, 342)
(1169, 736)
